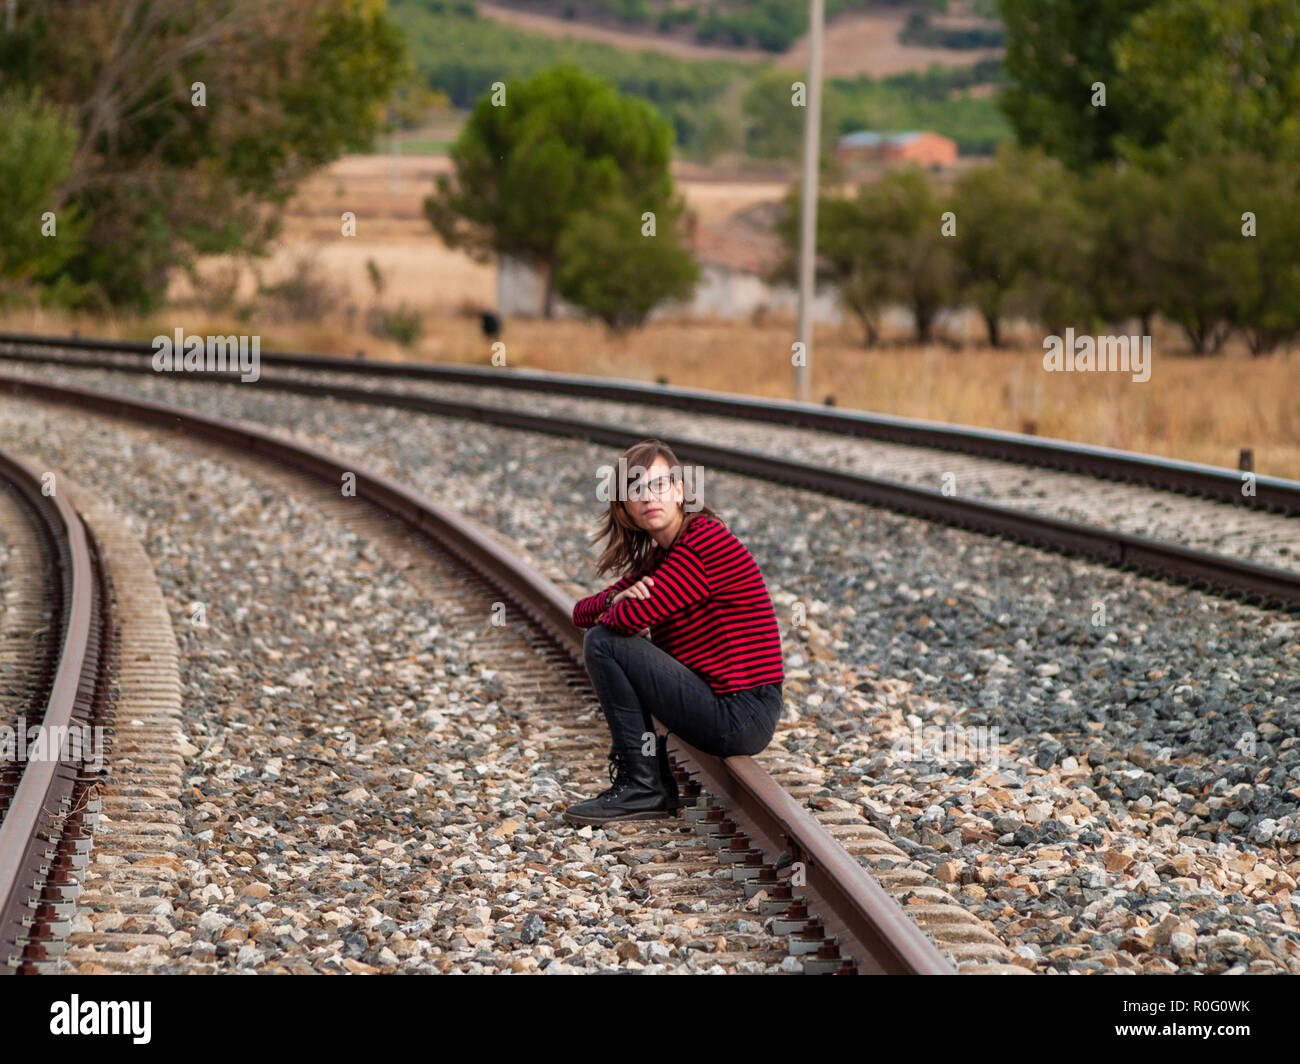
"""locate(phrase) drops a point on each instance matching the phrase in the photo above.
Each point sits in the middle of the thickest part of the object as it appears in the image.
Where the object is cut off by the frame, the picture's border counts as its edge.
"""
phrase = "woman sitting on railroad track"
(711, 670)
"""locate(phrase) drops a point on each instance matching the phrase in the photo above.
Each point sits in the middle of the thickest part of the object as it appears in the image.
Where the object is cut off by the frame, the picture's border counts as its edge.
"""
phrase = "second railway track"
(1235, 538)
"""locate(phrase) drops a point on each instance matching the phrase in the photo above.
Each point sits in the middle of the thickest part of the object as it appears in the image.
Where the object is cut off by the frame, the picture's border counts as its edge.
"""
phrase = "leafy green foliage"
(611, 269)
(774, 126)
(1213, 78)
(882, 247)
(940, 82)
(1212, 247)
(904, 209)
(769, 24)
(1022, 240)
(1055, 53)
(1265, 284)
(1126, 211)
(193, 119)
(974, 122)
(35, 163)
(852, 248)
(918, 30)
(559, 144)
(402, 323)
(1183, 79)
(465, 56)
(1213, 277)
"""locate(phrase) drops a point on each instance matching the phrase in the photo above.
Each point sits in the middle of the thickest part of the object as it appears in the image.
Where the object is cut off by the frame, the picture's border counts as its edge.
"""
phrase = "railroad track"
(48, 802)
(806, 875)
(1212, 534)
(891, 868)
(1274, 494)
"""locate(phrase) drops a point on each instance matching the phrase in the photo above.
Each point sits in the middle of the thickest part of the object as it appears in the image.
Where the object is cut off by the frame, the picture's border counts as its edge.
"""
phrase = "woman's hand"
(640, 590)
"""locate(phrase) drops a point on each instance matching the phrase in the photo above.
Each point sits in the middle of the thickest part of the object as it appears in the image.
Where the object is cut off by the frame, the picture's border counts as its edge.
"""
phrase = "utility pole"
(395, 165)
(808, 205)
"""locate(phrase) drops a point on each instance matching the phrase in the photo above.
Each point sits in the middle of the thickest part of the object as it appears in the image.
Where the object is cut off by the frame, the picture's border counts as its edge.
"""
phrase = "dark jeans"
(634, 678)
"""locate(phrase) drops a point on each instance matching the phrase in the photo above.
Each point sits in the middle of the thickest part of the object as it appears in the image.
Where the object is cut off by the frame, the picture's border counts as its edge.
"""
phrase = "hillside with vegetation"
(712, 105)
(770, 25)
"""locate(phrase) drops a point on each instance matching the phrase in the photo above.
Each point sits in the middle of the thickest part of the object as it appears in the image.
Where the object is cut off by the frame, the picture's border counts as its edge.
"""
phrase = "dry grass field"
(1198, 409)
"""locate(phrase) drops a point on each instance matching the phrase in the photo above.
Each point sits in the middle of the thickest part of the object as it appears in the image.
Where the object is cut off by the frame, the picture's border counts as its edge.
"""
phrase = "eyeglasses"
(658, 487)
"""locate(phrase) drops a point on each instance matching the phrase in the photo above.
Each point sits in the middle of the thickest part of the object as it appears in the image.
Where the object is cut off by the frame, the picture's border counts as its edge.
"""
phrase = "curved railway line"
(760, 824)
(48, 805)
(835, 916)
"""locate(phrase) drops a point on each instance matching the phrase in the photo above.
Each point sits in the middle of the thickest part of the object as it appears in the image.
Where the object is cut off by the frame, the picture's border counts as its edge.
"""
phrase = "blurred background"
(611, 187)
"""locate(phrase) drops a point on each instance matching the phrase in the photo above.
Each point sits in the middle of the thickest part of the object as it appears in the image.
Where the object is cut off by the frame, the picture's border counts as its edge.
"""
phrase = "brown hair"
(630, 547)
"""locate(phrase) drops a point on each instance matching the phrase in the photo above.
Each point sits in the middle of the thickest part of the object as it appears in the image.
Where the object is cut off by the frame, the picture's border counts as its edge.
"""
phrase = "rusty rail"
(41, 813)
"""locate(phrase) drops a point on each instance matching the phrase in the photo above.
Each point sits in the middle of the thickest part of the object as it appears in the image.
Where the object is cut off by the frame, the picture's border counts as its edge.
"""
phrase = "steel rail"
(868, 926)
(32, 825)
(1276, 494)
(1262, 584)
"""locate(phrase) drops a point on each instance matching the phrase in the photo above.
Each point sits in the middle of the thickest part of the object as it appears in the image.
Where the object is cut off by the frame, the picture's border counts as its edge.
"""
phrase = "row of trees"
(138, 134)
(1213, 247)
(567, 174)
(922, 33)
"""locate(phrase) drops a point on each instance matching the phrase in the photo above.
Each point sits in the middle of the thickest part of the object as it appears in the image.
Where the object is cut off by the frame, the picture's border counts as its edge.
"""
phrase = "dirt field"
(867, 43)
(856, 43)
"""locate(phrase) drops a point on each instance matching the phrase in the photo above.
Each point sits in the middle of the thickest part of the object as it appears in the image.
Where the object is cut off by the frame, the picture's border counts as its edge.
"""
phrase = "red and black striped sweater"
(709, 608)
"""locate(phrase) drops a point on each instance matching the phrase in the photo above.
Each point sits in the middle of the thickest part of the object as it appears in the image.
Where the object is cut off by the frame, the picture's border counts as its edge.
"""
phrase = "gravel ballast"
(1149, 773)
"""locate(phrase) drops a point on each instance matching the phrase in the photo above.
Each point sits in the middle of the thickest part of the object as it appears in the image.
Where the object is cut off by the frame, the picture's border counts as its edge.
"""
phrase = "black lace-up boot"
(665, 770)
(638, 792)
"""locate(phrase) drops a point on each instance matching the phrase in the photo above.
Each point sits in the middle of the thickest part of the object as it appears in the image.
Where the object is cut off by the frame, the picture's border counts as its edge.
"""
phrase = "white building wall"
(520, 290)
(720, 293)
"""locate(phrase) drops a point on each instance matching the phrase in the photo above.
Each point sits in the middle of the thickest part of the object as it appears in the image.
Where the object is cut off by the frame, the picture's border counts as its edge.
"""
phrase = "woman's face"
(655, 502)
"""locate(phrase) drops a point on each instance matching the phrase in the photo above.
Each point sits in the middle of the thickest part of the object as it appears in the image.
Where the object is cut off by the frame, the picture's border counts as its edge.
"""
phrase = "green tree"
(560, 143)
(35, 163)
(702, 130)
(196, 122)
(610, 267)
(413, 103)
(1055, 53)
(1056, 289)
(1022, 243)
(1266, 289)
(1225, 251)
(850, 256)
(1125, 207)
(1199, 250)
(774, 126)
(1213, 78)
(915, 255)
